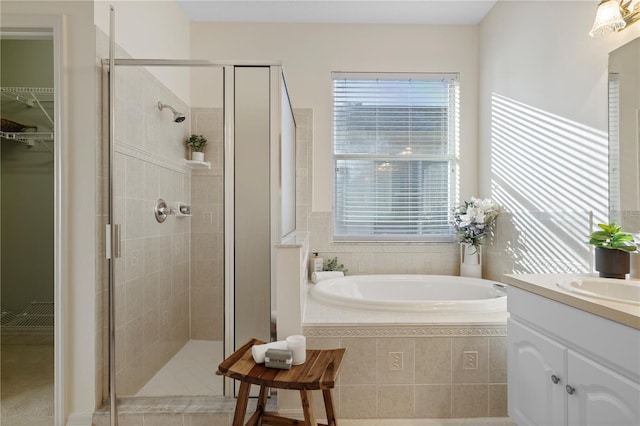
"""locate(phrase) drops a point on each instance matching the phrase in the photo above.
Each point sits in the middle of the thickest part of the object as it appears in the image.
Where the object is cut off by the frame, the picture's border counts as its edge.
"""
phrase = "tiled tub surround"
(408, 365)
(152, 277)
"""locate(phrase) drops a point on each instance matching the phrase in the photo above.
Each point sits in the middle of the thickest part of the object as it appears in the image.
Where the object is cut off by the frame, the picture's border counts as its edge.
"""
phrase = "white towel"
(326, 275)
(258, 351)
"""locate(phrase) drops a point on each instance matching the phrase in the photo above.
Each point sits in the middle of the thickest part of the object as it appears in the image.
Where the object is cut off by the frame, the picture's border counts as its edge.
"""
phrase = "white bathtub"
(412, 293)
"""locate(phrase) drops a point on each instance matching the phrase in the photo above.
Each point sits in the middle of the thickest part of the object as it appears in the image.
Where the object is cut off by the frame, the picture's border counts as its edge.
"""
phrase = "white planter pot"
(470, 261)
(197, 156)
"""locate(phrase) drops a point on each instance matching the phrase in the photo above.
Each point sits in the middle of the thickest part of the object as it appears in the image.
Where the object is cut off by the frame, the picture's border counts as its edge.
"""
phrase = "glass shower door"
(168, 281)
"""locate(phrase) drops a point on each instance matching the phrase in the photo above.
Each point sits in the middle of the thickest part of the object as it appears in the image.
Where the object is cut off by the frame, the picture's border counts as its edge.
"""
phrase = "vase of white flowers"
(472, 221)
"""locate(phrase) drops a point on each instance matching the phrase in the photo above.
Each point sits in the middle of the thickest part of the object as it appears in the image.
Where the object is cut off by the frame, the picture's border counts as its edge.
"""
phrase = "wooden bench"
(319, 372)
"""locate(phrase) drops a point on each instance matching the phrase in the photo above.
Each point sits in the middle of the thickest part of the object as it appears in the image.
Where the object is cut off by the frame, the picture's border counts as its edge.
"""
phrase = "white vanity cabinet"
(568, 366)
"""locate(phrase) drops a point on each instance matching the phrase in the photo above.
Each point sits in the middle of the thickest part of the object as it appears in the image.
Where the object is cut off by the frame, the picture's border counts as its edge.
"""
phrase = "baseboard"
(80, 419)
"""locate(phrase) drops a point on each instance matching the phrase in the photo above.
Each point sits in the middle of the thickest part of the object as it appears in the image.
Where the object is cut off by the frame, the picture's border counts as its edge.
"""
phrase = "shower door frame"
(112, 232)
(60, 182)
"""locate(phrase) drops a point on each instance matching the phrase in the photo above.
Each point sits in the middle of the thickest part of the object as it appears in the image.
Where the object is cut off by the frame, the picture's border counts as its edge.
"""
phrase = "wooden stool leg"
(241, 404)
(328, 405)
(307, 408)
(257, 417)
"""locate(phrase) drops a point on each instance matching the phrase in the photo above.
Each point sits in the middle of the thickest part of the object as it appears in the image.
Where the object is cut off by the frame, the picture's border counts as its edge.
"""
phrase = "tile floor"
(191, 372)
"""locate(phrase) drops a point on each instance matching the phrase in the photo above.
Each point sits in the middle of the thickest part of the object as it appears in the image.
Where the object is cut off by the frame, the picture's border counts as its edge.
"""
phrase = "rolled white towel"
(258, 351)
(326, 275)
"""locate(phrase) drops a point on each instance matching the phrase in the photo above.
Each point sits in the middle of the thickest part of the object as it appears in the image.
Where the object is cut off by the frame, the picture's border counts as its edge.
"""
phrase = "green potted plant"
(197, 144)
(333, 265)
(613, 248)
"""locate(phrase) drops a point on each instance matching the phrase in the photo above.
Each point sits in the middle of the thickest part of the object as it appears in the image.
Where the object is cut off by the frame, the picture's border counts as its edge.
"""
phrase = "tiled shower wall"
(152, 276)
(207, 230)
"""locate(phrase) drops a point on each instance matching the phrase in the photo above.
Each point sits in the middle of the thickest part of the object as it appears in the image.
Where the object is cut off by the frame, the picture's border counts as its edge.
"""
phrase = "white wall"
(540, 53)
(151, 29)
(79, 194)
(309, 52)
(543, 126)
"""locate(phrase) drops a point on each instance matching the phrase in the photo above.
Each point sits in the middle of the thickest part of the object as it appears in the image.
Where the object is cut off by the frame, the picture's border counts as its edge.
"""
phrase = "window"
(394, 147)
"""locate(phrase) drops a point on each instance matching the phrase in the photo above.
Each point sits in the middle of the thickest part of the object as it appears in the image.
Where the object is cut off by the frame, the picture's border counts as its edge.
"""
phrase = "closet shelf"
(197, 165)
(28, 138)
(31, 97)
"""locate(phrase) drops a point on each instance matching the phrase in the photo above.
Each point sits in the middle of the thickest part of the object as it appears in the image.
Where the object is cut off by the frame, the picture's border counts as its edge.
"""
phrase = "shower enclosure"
(190, 243)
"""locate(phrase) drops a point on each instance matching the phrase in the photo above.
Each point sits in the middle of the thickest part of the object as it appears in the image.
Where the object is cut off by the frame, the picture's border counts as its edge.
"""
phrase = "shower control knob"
(555, 379)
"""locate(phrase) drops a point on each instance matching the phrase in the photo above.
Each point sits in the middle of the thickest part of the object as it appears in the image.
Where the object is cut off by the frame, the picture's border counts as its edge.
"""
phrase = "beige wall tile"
(433, 401)
(461, 370)
(469, 400)
(498, 400)
(150, 293)
(358, 402)
(133, 332)
(391, 350)
(433, 360)
(360, 362)
(150, 328)
(163, 420)
(318, 403)
(497, 360)
(128, 420)
(134, 291)
(396, 402)
(320, 343)
(208, 419)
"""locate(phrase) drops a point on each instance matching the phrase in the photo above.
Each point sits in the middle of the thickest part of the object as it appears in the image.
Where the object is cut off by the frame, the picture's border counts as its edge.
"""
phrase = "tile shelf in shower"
(197, 165)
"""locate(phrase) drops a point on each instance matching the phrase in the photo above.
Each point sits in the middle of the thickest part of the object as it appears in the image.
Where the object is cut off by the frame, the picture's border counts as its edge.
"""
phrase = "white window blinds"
(395, 138)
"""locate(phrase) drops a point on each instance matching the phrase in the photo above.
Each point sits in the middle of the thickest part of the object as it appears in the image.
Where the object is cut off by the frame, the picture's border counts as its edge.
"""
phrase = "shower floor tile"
(191, 372)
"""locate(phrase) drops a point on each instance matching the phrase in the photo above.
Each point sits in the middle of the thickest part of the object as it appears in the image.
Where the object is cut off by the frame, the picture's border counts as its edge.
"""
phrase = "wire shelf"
(6, 317)
(36, 315)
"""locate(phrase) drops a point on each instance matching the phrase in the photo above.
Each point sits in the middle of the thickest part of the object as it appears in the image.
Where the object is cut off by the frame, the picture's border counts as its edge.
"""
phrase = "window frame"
(451, 157)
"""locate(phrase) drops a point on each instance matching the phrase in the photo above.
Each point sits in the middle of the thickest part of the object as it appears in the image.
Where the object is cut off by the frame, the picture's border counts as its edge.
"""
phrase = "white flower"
(473, 219)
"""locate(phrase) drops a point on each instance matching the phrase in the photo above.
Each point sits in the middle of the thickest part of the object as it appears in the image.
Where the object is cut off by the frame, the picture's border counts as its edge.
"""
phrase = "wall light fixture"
(614, 15)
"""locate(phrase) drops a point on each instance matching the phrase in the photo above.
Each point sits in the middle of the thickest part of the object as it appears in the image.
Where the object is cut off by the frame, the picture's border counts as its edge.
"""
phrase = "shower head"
(178, 117)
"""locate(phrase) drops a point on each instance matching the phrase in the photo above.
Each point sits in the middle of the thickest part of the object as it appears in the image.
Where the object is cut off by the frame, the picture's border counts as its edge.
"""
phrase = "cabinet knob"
(555, 379)
(570, 389)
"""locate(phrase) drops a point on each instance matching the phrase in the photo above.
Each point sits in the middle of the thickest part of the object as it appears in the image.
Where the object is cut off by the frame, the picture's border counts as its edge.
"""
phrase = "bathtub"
(412, 293)
(417, 330)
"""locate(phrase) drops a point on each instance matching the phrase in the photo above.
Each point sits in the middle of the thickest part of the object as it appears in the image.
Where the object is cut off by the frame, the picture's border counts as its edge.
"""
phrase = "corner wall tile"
(498, 401)
(462, 372)
(396, 402)
(433, 401)
(360, 362)
(358, 402)
(433, 360)
(388, 348)
(469, 401)
(497, 360)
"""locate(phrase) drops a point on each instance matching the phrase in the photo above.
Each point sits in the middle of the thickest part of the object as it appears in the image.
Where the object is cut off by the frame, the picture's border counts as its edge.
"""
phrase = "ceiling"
(439, 12)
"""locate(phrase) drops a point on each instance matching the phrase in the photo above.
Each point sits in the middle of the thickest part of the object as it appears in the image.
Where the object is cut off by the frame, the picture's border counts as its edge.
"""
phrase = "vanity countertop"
(545, 285)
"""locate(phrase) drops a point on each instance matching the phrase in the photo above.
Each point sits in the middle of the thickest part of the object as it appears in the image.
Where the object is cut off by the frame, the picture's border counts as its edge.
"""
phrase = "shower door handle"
(112, 242)
(117, 247)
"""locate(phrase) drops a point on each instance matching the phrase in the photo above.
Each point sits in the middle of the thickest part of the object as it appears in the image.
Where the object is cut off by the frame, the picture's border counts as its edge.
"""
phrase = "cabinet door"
(535, 363)
(601, 396)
